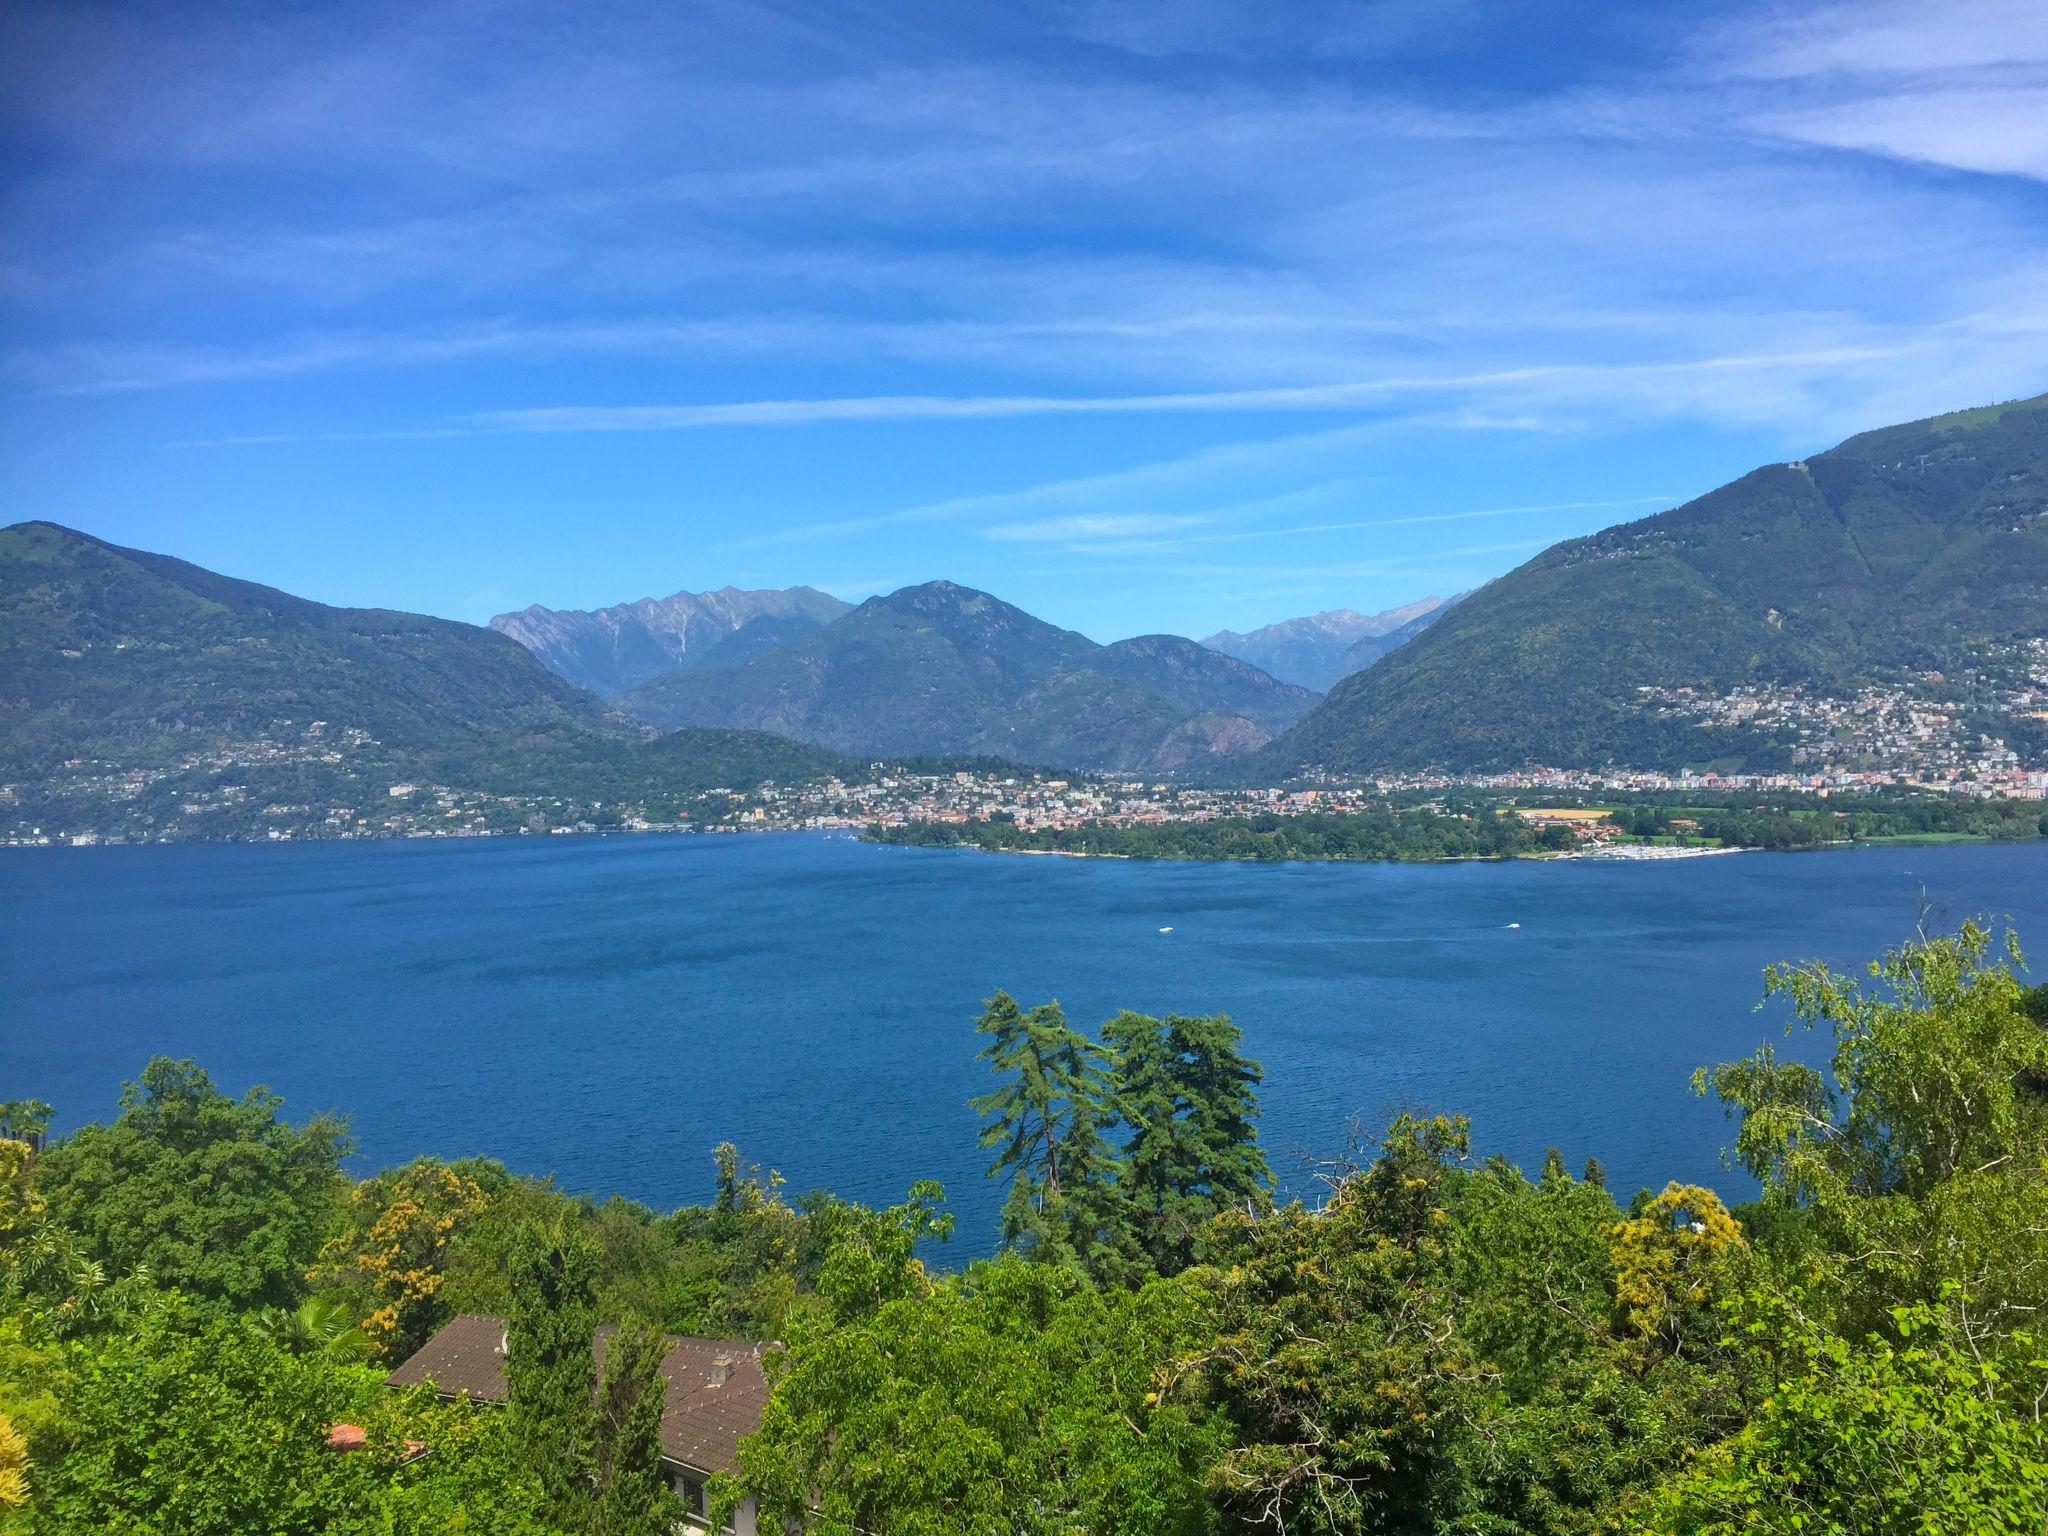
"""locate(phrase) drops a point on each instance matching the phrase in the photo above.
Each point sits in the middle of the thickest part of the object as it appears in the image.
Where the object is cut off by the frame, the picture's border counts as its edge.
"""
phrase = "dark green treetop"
(1189, 1098)
(214, 1195)
(631, 1496)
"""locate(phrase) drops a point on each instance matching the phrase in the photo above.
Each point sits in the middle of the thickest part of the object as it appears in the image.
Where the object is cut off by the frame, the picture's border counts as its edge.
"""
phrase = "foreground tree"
(1915, 1172)
(1435, 1349)
(1012, 1400)
(1189, 1101)
(1870, 1437)
(393, 1252)
(204, 1429)
(630, 1495)
(216, 1196)
(548, 1367)
(195, 1425)
(1045, 1126)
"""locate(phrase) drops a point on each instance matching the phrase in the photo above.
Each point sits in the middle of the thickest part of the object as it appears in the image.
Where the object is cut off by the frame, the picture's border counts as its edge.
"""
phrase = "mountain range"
(1904, 555)
(1905, 551)
(609, 650)
(945, 669)
(1318, 650)
(143, 693)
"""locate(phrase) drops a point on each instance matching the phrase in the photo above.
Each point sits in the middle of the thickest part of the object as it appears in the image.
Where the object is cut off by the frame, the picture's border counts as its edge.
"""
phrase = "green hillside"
(1907, 550)
(127, 656)
(144, 697)
(941, 668)
(1198, 681)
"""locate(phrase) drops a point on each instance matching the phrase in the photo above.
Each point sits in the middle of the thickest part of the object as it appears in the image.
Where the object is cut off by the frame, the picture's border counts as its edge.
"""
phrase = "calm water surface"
(609, 1009)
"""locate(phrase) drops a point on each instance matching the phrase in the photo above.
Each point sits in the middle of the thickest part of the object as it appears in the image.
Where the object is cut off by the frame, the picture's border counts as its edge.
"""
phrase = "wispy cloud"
(1790, 42)
(1962, 85)
(1131, 546)
(1231, 261)
(1999, 130)
(1352, 395)
(1107, 525)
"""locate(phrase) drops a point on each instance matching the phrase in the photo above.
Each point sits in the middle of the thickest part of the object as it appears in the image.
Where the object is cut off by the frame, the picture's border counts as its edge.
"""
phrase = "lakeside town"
(97, 805)
(320, 780)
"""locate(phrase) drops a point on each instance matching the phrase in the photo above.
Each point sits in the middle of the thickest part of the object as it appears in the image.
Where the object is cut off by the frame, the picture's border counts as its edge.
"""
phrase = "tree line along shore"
(1475, 827)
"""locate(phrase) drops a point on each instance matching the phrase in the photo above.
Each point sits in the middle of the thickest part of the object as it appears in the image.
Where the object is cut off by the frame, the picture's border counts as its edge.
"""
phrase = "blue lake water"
(610, 1008)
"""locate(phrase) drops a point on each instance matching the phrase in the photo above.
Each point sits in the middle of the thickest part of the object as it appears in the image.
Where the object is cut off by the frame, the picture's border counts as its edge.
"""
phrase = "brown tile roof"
(701, 1423)
(463, 1359)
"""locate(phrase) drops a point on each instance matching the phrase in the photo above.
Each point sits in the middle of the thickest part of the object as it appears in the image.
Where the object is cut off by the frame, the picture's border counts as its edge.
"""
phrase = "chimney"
(720, 1369)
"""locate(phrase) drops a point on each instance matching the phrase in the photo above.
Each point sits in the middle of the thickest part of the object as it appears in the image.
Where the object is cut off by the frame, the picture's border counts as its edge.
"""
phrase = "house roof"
(465, 1358)
(701, 1423)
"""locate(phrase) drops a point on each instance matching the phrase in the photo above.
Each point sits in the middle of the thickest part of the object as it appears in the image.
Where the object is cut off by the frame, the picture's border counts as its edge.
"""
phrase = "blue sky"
(1145, 316)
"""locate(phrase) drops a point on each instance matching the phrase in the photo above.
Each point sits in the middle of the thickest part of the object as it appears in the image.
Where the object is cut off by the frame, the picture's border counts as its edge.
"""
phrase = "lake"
(611, 1008)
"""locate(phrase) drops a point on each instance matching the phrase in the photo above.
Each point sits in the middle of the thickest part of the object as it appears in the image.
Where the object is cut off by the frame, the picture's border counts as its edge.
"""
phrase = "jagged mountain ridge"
(1316, 650)
(609, 650)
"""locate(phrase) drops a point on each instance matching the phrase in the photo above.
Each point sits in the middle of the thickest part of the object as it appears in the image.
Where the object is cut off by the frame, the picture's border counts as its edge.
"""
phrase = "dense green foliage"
(988, 678)
(149, 1386)
(547, 1369)
(1017, 1398)
(213, 1195)
(1905, 549)
(1436, 1344)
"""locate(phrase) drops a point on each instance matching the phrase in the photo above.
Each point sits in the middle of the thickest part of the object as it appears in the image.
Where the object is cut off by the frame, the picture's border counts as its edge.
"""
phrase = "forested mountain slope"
(942, 668)
(117, 653)
(143, 696)
(1906, 551)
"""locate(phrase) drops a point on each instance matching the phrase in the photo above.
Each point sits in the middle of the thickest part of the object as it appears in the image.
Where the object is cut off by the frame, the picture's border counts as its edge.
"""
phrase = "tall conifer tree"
(1189, 1100)
(1045, 1125)
(549, 1364)
(631, 1496)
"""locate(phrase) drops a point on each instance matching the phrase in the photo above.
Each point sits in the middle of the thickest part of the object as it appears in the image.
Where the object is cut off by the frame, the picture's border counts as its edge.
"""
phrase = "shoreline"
(1630, 854)
(1547, 857)
(1623, 854)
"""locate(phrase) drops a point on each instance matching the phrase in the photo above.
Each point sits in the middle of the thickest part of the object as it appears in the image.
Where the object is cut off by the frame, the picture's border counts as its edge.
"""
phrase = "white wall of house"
(689, 1486)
